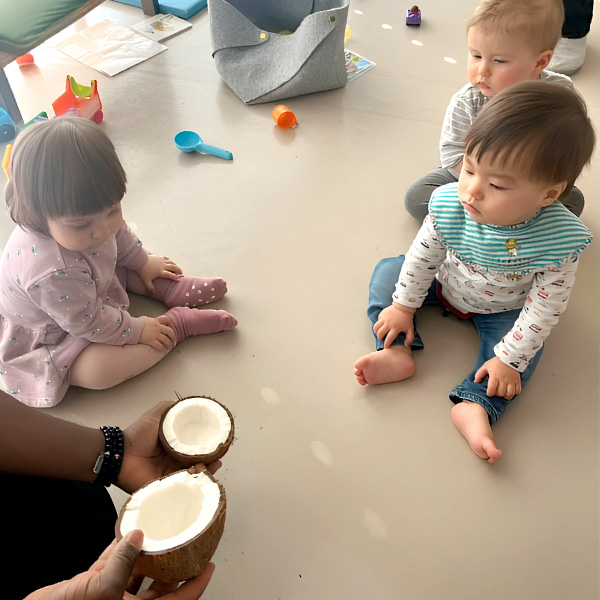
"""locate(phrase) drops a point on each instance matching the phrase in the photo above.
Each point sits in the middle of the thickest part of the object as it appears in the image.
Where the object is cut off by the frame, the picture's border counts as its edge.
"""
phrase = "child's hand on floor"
(392, 321)
(503, 381)
(158, 266)
(157, 334)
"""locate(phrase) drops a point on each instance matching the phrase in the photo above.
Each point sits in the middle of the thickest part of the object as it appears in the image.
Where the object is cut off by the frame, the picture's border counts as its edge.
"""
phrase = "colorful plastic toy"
(413, 16)
(284, 117)
(6, 160)
(24, 60)
(7, 127)
(43, 116)
(190, 141)
(79, 100)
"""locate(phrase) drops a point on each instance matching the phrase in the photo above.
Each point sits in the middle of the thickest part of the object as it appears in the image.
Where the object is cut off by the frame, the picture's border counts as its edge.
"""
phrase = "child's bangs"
(83, 187)
(75, 169)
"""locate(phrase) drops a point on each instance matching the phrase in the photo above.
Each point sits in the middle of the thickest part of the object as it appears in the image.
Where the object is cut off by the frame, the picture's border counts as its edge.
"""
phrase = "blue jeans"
(490, 327)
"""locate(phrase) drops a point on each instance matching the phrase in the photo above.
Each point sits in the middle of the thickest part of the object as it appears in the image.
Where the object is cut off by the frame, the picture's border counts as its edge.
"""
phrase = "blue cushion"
(179, 8)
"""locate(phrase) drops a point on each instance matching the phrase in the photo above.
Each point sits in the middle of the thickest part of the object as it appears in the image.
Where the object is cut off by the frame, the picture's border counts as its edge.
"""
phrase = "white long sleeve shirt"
(488, 268)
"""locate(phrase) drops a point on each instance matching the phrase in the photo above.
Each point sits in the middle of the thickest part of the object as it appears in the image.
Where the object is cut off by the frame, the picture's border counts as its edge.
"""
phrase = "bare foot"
(385, 366)
(471, 420)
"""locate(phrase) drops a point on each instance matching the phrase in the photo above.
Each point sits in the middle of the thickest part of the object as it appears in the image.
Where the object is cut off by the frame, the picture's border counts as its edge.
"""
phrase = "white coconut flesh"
(171, 511)
(196, 426)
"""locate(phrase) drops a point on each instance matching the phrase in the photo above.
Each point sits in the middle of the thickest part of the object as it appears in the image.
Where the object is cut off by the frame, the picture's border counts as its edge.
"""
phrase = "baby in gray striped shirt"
(509, 41)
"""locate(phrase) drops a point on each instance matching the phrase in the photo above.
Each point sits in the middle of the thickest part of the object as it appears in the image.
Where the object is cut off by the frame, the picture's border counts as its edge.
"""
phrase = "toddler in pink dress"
(68, 265)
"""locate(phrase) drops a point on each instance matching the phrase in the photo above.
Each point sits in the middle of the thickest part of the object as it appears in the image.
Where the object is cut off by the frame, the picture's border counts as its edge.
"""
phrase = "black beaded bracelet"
(108, 465)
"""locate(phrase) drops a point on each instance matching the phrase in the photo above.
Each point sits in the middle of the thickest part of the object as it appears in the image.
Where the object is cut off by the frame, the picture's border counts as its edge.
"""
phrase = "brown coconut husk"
(187, 560)
(192, 459)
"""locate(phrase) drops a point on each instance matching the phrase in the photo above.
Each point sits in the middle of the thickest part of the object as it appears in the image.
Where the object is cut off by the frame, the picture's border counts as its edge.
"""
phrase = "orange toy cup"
(284, 117)
(25, 59)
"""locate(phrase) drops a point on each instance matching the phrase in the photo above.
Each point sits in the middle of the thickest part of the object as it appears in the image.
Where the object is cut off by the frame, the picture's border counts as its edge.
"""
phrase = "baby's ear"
(543, 61)
(553, 193)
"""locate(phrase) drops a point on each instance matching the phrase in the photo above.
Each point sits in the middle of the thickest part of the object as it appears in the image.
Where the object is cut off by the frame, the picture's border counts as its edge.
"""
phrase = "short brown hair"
(542, 127)
(539, 22)
(66, 166)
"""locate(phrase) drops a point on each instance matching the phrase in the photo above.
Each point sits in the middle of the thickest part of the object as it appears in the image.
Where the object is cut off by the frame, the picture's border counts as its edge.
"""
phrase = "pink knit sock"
(189, 291)
(187, 322)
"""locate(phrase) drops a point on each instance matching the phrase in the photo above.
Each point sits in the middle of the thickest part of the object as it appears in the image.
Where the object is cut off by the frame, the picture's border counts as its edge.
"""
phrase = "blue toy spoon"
(190, 141)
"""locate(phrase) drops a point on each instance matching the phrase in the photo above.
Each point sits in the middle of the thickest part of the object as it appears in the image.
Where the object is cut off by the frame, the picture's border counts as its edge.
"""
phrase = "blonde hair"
(66, 166)
(538, 22)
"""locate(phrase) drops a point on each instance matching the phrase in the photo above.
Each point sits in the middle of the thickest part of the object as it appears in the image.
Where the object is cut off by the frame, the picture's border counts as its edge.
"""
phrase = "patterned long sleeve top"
(487, 268)
(54, 302)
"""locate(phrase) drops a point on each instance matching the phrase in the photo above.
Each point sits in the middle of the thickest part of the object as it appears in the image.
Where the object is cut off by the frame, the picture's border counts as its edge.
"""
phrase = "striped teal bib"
(552, 238)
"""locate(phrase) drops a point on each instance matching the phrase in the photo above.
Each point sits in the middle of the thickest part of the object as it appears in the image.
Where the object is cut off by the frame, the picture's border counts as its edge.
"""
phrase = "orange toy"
(284, 117)
(79, 100)
(25, 59)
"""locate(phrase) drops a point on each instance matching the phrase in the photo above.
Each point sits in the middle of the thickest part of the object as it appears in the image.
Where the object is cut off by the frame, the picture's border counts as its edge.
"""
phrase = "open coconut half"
(182, 516)
(196, 430)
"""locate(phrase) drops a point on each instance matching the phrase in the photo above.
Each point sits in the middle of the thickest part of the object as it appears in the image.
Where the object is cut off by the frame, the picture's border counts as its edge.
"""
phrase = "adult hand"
(503, 381)
(157, 334)
(158, 266)
(109, 576)
(392, 321)
(144, 458)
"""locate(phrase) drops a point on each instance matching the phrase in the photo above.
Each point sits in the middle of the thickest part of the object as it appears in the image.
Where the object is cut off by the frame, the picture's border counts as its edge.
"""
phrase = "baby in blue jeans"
(495, 248)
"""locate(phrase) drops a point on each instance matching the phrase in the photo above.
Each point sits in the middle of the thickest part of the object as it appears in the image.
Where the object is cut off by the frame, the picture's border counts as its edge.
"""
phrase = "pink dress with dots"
(54, 303)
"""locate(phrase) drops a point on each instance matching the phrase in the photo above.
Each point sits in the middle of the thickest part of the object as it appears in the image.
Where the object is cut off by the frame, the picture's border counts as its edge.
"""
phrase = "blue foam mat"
(179, 8)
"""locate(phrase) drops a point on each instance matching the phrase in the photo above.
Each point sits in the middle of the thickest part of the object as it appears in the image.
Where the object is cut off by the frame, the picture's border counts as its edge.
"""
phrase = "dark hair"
(66, 166)
(541, 127)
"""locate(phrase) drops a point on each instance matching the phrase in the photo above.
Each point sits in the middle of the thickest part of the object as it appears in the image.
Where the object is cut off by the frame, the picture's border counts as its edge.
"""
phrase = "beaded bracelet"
(108, 464)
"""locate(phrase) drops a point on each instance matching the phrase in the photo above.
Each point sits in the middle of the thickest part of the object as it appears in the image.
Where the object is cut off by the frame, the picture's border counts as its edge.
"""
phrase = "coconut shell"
(192, 459)
(188, 560)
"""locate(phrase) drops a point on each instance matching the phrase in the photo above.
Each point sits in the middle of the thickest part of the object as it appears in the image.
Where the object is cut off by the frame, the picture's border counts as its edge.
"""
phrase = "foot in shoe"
(187, 322)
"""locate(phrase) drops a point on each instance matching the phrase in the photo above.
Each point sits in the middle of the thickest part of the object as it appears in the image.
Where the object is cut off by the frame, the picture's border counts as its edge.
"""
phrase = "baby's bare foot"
(385, 366)
(471, 420)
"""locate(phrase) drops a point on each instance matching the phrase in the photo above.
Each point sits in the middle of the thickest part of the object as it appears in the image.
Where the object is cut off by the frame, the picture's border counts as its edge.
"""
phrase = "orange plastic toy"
(79, 100)
(284, 117)
(25, 59)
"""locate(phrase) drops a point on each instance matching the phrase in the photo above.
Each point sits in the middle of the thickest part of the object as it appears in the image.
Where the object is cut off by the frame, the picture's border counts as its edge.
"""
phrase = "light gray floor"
(335, 490)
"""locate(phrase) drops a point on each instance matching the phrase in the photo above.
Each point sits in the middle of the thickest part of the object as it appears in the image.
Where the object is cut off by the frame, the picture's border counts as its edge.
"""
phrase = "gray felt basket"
(260, 64)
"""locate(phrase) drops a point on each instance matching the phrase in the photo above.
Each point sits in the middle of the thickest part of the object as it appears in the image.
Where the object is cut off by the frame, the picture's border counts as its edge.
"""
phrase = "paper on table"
(110, 48)
(356, 64)
(161, 27)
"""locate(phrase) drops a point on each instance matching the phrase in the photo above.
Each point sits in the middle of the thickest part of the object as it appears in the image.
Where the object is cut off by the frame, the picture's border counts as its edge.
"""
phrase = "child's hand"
(394, 320)
(158, 266)
(503, 381)
(157, 335)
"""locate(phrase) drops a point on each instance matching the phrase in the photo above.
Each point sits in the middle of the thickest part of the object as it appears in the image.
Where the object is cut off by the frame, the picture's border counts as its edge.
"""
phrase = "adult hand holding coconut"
(108, 578)
(145, 458)
(46, 466)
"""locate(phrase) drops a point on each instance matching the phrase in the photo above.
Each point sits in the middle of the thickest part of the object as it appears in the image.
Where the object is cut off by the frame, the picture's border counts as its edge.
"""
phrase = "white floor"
(335, 490)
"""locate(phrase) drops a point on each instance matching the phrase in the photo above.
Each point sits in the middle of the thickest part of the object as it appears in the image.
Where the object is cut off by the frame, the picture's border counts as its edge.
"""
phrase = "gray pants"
(419, 193)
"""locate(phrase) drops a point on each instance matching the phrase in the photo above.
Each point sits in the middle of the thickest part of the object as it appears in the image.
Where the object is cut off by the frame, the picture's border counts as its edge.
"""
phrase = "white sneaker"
(568, 56)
